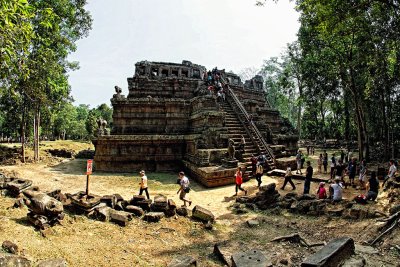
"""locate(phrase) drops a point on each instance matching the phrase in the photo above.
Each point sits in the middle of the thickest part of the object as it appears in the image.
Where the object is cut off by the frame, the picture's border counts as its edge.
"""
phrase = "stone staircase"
(238, 123)
(235, 131)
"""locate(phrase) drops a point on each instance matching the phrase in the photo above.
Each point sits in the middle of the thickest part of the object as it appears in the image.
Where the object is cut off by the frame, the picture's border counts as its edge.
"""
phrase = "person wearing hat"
(143, 184)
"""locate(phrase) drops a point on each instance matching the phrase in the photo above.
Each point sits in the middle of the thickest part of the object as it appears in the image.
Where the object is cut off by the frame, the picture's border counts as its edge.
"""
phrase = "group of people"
(213, 81)
(182, 181)
(335, 191)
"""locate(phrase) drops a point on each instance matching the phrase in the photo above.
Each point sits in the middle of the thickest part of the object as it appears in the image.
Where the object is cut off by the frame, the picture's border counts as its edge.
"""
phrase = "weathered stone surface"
(137, 198)
(103, 213)
(306, 197)
(183, 261)
(53, 263)
(182, 211)
(252, 257)
(83, 201)
(19, 203)
(331, 255)
(355, 261)
(202, 214)
(10, 247)
(223, 251)
(138, 211)
(16, 185)
(42, 204)
(145, 204)
(11, 260)
(153, 216)
(171, 204)
(110, 200)
(366, 249)
(120, 217)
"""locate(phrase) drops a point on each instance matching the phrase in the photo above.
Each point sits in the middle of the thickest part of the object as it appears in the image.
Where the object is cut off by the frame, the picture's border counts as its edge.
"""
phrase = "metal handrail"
(247, 117)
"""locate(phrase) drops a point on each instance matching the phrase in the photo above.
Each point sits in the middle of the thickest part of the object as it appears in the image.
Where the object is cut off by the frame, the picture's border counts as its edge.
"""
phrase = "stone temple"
(171, 121)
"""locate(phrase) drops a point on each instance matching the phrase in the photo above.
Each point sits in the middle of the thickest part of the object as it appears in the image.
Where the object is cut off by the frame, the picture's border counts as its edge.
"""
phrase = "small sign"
(89, 166)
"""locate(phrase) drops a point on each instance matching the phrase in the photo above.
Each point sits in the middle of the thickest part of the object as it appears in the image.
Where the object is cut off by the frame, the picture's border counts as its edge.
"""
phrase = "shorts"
(182, 194)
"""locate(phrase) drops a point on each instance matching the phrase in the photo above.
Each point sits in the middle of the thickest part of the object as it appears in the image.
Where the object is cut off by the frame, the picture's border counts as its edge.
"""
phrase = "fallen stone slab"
(53, 263)
(103, 213)
(202, 214)
(153, 216)
(120, 217)
(110, 200)
(10, 247)
(183, 261)
(252, 257)
(136, 198)
(137, 211)
(145, 204)
(7, 259)
(16, 185)
(43, 204)
(331, 255)
(83, 201)
(182, 211)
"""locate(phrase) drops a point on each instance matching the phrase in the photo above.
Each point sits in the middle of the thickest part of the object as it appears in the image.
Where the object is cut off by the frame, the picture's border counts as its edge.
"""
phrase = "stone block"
(110, 200)
(182, 211)
(252, 257)
(103, 213)
(145, 204)
(53, 263)
(136, 198)
(183, 261)
(10, 247)
(137, 211)
(202, 214)
(7, 259)
(253, 223)
(153, 216)
(331, 255)
(171, 204)
(120, 217)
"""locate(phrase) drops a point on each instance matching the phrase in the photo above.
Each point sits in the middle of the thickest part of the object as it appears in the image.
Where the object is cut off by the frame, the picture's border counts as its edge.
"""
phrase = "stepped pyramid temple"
(172, 119)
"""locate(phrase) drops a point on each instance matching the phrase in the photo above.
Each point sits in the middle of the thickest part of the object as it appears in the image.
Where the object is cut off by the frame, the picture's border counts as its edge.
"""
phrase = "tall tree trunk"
(36, 122)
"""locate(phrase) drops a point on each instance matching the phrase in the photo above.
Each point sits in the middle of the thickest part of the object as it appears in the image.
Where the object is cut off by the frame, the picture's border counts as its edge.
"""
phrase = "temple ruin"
(171, 121)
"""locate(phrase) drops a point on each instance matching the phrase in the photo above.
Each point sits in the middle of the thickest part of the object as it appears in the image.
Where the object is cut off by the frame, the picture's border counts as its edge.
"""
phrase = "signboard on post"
(89, 167)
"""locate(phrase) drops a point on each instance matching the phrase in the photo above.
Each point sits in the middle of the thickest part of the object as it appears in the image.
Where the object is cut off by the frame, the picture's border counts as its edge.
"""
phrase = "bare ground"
(85, 242)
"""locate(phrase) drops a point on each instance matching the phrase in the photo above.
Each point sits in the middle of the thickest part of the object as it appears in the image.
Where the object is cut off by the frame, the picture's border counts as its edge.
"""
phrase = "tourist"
(391, 173)
(259, 173)
(325, 162)
(337, 191)
(320, 160)
(184, 188)
(352, 168)
(242, 143)
(339, 172)
(313, 150)
(363, 173)
(308, 150)
(342, 155)
(143, 184)
(372, 187)
(333, 165)
(307, 180)
(239, 181)
(321, 192)
(253, 164)
(298, 162)
(303, 159)
(288, 179)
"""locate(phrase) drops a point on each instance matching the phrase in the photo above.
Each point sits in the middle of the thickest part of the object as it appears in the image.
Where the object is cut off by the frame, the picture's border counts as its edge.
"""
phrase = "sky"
(228, 34)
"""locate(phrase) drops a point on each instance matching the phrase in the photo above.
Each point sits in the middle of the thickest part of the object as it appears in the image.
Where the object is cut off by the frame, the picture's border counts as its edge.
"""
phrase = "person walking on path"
(143, 184)
(239, 181)
(298, 162)
(307, 181)
(259, 173)
(320, 161)
(333, 165)
(184, 189)
(325, 162)
(288, 179)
